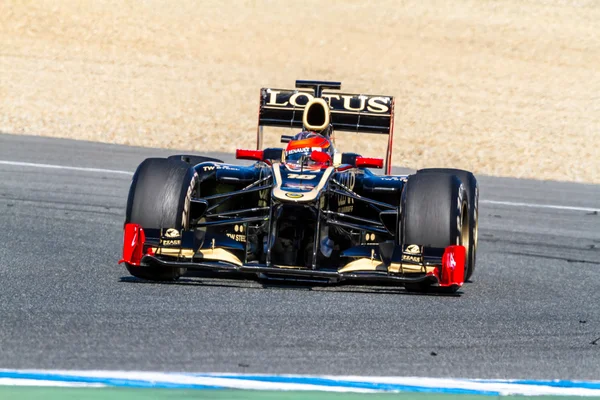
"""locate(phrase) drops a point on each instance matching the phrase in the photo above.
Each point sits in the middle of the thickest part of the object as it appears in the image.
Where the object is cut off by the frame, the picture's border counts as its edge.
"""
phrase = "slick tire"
(470, 183)
(434, 213)
(193, 160)
(159, 197)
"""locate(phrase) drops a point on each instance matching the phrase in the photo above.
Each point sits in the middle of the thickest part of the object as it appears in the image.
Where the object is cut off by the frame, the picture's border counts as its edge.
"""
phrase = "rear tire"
(435, 214)
(159, 197)
(470, 183)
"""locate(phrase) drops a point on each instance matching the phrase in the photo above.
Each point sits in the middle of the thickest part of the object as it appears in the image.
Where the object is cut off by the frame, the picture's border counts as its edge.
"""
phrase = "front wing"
(401, 265)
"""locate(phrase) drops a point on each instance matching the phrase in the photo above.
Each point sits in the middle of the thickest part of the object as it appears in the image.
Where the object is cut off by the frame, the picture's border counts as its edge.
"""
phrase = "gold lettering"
(237, 237)
(347, 100)
(377, 105)
(295, 96)
(328, 97)
(171, 242)
(273, 99)
(347, 179)
(346, 209)
(411, 258)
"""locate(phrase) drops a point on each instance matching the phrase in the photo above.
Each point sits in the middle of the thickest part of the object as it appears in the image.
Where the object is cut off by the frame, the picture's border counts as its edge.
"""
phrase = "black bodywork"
(335, 221)
(286, 231)
(237, 209)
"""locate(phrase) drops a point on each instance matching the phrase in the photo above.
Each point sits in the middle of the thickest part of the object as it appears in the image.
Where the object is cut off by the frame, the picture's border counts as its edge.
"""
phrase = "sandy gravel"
(499, 87)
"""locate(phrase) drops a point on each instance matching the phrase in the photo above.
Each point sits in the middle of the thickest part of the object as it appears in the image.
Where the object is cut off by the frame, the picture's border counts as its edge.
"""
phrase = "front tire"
(470, 183)
(159, 197)
(434, 213)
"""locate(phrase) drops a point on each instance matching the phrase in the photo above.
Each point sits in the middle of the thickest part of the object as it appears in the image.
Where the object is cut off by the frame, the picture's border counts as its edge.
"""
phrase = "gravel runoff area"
(509, 88)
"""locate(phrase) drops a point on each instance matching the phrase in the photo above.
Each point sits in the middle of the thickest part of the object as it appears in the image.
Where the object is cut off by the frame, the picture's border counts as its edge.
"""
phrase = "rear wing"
(349, 112)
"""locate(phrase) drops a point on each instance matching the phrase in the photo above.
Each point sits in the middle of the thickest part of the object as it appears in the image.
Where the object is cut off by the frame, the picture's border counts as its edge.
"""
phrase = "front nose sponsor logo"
(294, 195)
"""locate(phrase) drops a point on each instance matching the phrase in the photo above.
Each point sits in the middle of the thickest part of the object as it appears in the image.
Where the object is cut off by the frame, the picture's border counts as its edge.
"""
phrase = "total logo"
(452, 263)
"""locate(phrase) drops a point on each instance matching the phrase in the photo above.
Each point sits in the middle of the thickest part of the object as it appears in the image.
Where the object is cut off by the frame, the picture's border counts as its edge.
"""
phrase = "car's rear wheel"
(470, 183)
(434, 213)
(159, 197)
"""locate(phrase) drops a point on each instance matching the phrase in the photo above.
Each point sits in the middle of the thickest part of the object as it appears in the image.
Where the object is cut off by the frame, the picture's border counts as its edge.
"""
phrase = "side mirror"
(267, 155)
(256, 155)
(320, 157)
(369, 162)
(349, 160)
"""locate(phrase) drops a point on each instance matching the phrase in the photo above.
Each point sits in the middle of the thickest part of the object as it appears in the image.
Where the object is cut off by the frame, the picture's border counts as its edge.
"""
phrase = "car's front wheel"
(435, 213)
(159, 197)
(470, 183)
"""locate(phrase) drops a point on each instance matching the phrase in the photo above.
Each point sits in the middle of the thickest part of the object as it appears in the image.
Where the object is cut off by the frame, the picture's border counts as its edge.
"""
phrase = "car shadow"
(258, 284)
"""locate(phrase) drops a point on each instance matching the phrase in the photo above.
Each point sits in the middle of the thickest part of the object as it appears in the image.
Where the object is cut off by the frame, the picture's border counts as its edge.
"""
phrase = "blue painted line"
(444, 386)
(388, 387)
(115, 382)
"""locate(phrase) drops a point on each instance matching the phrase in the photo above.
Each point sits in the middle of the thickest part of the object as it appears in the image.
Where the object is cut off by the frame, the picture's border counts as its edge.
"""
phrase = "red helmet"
(305, 143)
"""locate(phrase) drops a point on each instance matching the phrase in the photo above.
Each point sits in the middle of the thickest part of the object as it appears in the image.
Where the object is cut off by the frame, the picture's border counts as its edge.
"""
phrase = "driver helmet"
(304, 143)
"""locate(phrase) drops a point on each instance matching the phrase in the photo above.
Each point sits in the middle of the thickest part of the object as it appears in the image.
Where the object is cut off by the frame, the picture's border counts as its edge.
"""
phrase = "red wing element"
(453, 266)
(133, 244)
(369, 162)
(242, 154)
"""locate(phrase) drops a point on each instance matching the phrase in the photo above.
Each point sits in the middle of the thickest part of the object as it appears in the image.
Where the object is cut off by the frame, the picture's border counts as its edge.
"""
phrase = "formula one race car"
(304, 212)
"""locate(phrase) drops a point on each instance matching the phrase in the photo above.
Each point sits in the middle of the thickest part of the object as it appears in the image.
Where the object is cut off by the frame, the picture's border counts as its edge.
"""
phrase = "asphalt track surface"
(532, 310)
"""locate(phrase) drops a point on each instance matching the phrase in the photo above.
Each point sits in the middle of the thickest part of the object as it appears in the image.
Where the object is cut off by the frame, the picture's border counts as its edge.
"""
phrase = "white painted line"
(114, 171)
(36, 382)
(26, 164)
(535, 205)
(358, 384)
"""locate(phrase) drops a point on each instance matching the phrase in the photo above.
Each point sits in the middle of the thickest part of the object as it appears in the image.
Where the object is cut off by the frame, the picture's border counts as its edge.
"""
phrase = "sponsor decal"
(413, 253)
(370, 237)
(407, 257)
(172, 233)
(346, 209)
(301, 176)
(236, 237)
(347, 179)
(262, 194)
(171, 238)
(170, 242)
(413, 249)
(300, 150)
(294, 195)
(338, 102)
(220, 167)
(452, 261)
(299, 186)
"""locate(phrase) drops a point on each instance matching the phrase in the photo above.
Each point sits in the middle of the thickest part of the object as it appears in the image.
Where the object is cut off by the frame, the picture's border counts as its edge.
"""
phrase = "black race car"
(304, 212)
